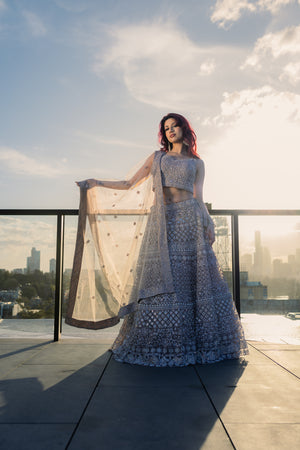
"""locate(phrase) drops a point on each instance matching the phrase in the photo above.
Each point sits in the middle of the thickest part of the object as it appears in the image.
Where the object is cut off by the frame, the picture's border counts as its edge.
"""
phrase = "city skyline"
(13, 251)
(260, 263)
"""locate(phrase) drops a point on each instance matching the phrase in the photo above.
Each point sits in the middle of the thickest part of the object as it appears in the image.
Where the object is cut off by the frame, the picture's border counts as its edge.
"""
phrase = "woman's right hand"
(87, 184)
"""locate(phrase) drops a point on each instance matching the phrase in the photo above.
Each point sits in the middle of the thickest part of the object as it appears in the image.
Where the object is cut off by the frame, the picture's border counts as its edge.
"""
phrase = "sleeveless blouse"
(178, 172)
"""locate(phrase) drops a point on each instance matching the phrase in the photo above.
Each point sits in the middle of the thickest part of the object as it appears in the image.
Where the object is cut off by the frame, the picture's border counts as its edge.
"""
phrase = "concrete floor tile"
(258, 403)
(123, 374)
(221, 374)
(35, 437)
(268, 375)
(23, 342)
(273, 346)
(19, 347)
(82, 341)
(265, 436)
(75, 354)
(13, 360)
(44, 393)
(14, 354)
(142, 418)
(290, 359)
(256, 357)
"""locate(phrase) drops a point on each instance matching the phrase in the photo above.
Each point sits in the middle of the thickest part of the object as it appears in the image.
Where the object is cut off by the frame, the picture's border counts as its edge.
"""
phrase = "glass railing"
(258, 252)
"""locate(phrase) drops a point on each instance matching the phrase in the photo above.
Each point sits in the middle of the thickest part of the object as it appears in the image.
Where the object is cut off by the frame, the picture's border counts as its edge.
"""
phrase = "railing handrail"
(215, 212)
(38, 212)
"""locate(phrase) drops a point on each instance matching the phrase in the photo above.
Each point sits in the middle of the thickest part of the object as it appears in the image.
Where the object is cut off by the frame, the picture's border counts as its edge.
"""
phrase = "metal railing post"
(236, 288)
(59, 275)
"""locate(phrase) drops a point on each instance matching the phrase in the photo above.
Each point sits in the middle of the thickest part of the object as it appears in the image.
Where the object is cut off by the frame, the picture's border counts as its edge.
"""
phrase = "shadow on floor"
(106, 404)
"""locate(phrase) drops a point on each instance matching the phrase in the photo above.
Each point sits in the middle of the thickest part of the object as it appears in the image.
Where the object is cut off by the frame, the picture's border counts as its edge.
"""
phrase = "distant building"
(281, 269)
(33, 261)
(18, 270)
(246, 263)
(67, 272)
(252, 290)
(52, 265)
(10, 295)
(9, 310)
(262, 258)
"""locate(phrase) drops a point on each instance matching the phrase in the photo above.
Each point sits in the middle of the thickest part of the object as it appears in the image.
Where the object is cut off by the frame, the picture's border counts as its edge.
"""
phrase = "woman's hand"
(87, 184)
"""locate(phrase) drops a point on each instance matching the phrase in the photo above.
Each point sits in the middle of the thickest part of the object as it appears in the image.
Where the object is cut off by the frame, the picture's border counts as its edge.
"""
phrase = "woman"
(179, 310)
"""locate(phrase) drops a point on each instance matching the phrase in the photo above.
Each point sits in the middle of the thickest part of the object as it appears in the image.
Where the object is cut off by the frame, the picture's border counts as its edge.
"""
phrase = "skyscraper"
(33, 261)
(52, 265)
(262, 258)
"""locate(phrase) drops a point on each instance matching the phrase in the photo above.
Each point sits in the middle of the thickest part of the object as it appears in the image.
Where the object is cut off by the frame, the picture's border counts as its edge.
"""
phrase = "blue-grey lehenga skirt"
(198, 323)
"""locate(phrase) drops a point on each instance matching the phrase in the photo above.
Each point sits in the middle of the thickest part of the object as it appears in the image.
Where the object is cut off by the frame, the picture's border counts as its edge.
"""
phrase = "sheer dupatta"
(110, 272)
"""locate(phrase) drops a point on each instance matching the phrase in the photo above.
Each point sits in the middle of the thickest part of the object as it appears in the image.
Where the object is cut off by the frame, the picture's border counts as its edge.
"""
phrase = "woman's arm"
(142, 173)
(198, 194)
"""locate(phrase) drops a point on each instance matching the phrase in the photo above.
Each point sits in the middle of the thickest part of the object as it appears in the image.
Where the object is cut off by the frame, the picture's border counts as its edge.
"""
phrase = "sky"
(84, 84)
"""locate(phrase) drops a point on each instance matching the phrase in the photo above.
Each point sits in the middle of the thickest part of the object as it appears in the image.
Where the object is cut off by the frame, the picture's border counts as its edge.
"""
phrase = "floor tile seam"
(275, 349)
(249, 363)
(88, 402)
(37, 423)
(284, 352)
(261, 423)
(61, 364)
(22, 340)
(277, 363)
(25, 349)
(93, 344)
(218, 416)
(153, 386)
(96, 345)
(259, 388)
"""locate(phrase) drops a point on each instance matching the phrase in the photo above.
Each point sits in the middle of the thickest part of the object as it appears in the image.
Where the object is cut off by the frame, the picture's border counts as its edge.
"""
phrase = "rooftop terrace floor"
(72, 394)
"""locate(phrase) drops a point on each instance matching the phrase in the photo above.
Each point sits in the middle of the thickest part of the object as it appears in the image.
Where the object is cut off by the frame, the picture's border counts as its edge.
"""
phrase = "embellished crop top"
(178, 172)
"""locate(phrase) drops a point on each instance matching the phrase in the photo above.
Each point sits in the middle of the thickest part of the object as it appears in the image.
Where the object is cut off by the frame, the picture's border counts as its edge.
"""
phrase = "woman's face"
(173, 131)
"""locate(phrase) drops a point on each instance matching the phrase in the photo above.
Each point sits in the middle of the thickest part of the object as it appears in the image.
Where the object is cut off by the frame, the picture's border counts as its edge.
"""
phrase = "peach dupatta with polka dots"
(110, 272)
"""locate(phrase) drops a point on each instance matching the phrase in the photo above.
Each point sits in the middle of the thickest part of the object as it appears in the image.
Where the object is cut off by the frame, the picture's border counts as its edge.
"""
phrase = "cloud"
(277, 55)
(19, 234)
(162, 67)
(35, 24)
(284, 106)
(19, 163)
(291, 72)
(109, 141)
(256, 160)
(207, 68)
(225, 12)
(273, 5)
(283, 42)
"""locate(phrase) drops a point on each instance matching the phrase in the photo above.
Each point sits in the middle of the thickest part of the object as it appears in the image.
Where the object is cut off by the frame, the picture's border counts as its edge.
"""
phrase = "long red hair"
(189, 136)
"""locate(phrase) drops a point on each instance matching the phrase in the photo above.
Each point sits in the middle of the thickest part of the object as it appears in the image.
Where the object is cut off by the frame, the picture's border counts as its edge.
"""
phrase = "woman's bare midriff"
(175, 195)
